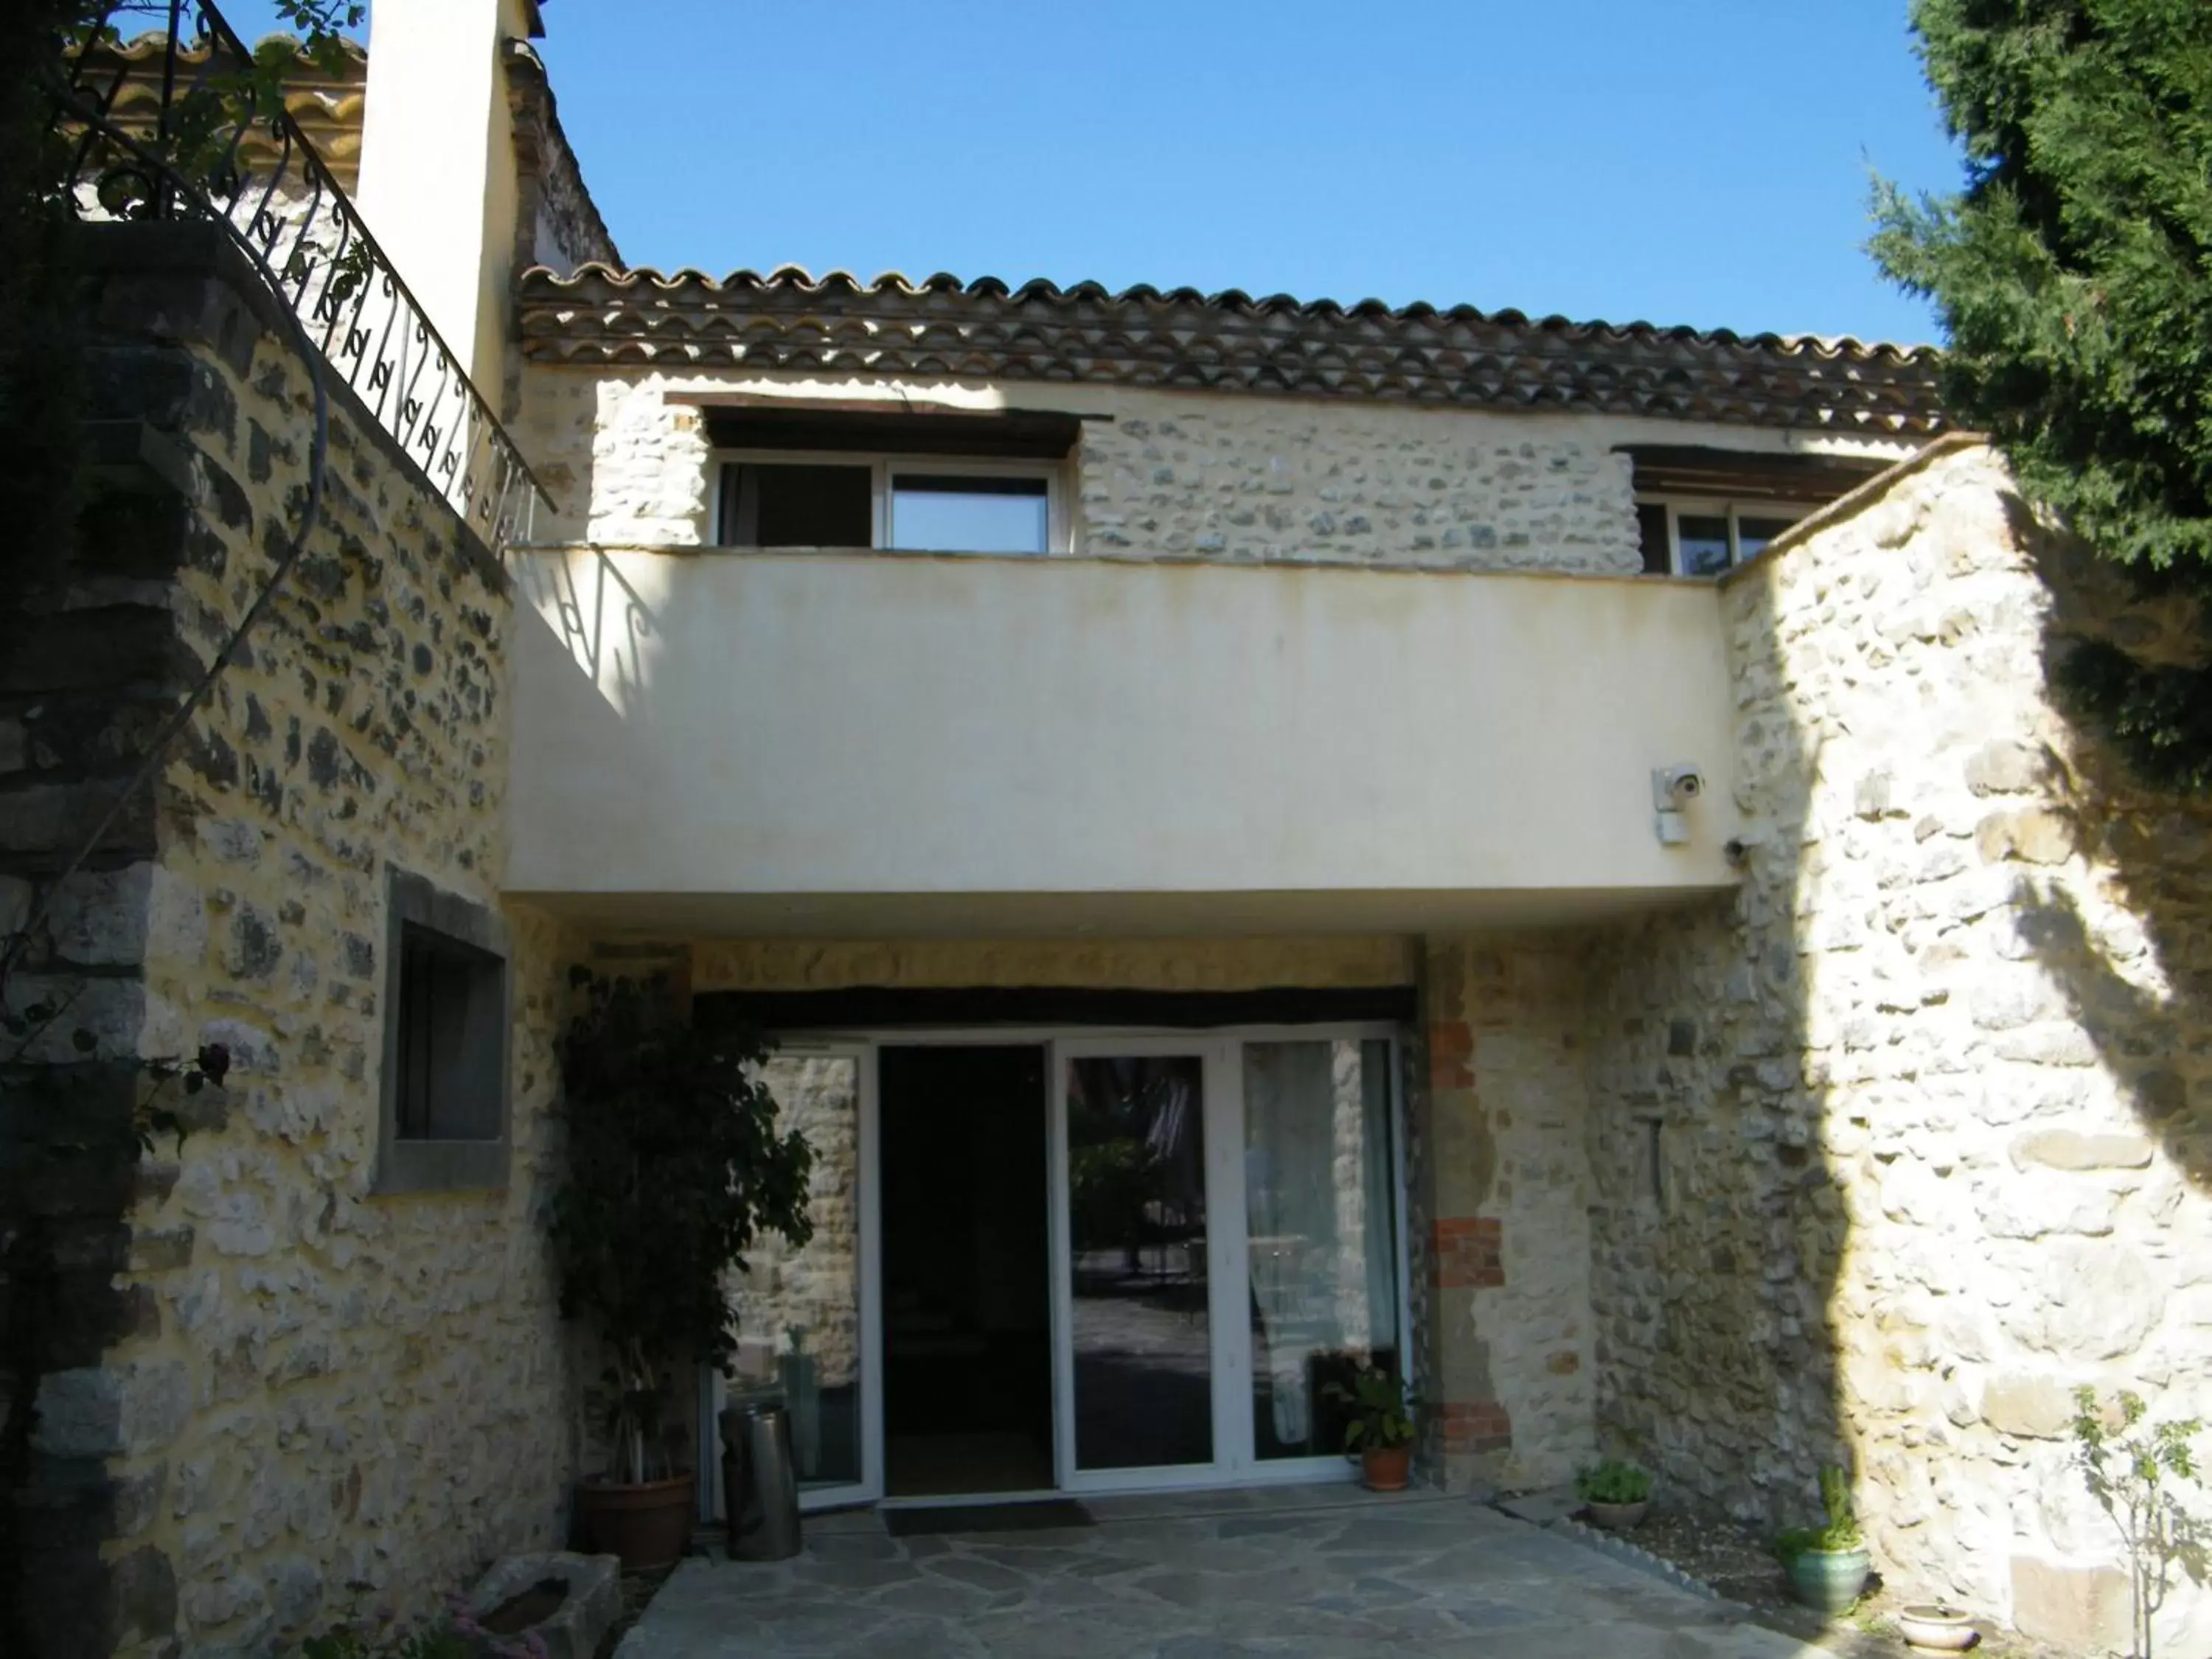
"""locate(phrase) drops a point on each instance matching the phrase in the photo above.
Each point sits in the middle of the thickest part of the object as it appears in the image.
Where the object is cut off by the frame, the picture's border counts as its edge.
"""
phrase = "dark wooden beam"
(853, 426)
(1741, 475)
(867, 1007)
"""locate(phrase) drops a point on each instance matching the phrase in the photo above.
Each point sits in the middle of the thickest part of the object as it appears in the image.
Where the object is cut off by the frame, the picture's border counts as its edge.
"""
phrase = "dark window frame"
(448, 1014)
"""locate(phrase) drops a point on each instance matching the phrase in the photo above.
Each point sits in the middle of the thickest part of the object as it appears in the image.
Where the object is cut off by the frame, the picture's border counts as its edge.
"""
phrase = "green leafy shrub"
(675, 1167)
(2133, 1471)
(1839, 1536)
(1381, 1410)
(1612, 1482)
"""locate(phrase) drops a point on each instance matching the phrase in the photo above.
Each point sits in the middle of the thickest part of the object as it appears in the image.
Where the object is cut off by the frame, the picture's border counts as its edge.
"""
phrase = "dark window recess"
(1651, 532)
(877, 428)
(961, 484)
(774, 504)
(451, 1028)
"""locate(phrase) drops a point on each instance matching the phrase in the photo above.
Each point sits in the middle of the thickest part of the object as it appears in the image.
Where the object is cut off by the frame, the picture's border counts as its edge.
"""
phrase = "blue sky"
(1702, 162)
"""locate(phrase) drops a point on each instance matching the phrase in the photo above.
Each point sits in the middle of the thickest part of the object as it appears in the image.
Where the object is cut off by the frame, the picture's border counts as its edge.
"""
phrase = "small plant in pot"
(674, 1167)
(1381, 1430)
(1616, 1493)
(1827, 1566)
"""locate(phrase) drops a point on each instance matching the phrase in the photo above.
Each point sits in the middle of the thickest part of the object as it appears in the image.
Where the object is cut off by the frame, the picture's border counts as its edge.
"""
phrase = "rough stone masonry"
(1930, 1097)
(323, 1403)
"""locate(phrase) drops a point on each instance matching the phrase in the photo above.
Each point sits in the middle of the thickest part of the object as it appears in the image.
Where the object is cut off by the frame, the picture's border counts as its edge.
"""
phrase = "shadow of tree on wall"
(1930, 1090)
(2134, 960)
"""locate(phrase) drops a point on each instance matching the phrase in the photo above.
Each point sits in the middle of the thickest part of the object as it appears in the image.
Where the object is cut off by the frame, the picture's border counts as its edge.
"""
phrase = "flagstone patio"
(1313, 1572)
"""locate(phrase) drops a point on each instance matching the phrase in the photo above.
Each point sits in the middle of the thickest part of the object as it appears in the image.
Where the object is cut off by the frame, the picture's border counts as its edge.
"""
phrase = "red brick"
(1451, 1054)
(1466, 1253)
(1565, 1363)
(1474, 1426)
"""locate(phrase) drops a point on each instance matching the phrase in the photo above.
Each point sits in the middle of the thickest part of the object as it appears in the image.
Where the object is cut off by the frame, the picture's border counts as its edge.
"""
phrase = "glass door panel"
(804, 1322)
(1138, 1340)
(1320, 1233)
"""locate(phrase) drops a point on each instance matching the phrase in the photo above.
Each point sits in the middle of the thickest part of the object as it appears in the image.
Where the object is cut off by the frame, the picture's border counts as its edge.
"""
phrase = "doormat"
(1039, 1516)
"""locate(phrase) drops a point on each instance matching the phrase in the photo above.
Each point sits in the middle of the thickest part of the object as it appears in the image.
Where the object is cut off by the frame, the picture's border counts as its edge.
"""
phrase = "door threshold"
(968, 1500)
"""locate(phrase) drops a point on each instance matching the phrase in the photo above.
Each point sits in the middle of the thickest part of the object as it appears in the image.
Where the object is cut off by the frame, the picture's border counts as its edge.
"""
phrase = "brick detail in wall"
(1451, 1054)
(1469, 1427)
(1465, 1253)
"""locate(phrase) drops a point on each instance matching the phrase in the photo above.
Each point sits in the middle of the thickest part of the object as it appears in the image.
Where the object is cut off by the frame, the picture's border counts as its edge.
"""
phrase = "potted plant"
(1827, 1566)
(1936, 1627)
(1380, 1429)
(674, 1167)
(1616, 1493)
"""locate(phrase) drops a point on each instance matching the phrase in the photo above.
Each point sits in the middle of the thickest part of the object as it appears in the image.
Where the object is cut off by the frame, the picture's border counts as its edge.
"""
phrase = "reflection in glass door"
(806, 1319)
(1139, 1331)
(1320, 1231)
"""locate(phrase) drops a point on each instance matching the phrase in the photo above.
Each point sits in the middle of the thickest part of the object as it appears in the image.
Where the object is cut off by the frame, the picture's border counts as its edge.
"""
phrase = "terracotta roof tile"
(791, 321)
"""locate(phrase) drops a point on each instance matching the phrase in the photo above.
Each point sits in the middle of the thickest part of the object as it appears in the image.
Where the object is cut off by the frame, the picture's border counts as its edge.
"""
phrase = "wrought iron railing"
(184, 127)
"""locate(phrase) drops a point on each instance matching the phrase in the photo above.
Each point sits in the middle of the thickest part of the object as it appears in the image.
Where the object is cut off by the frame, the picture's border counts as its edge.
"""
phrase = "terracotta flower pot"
(1386, 1468)
(1618, 1517)
(647, 1524)
(1829, 1581)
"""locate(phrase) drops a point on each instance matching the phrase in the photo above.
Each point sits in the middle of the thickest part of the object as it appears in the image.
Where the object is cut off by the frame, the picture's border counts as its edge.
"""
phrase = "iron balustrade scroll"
(181, 126)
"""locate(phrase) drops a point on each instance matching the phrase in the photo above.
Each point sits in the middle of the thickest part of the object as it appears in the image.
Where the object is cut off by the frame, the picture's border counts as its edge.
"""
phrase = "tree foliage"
(675, 1167)
(41, 339)
(2074, 276)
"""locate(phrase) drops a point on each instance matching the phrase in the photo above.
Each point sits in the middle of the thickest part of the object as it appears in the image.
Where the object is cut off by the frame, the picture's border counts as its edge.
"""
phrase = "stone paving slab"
(1317, 1573)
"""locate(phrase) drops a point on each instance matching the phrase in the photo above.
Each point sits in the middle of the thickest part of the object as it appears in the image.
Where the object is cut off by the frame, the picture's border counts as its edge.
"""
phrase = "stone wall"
(1168, 475)
(327, 1403)
(1932, 1096)
(1500, 1184)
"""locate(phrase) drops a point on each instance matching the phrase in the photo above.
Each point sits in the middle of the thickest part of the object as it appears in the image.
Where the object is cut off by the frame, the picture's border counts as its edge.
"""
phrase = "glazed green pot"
(1829, 1581)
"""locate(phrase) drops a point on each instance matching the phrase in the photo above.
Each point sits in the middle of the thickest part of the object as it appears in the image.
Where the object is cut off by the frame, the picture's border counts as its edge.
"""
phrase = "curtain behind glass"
(1319, 1214)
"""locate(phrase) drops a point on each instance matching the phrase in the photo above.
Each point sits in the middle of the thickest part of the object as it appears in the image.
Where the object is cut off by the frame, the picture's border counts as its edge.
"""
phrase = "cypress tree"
(2073, 274)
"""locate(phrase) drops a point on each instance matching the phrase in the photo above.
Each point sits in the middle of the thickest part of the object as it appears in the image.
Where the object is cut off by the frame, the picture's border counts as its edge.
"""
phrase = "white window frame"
(882, 464)
(1711, 506)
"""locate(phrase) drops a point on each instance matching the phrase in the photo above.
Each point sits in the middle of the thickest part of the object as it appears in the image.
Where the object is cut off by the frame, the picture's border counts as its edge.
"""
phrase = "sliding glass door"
(1141, 1148)
(1320, 1234)
(1225, 1244)
(806, 1317)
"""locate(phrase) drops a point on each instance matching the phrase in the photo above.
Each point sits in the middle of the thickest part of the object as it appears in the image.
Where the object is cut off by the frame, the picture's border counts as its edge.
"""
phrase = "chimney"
(438, 184)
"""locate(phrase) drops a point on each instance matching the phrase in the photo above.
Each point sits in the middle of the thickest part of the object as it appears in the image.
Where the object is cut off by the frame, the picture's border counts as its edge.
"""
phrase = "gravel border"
(1620, 1549)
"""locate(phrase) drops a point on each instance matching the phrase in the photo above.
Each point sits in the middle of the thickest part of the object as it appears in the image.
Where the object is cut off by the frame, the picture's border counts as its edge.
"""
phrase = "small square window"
(1706, 537)
(446, 1019)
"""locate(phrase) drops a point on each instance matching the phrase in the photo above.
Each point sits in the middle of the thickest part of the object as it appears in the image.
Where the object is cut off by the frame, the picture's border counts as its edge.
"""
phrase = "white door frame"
(869, 1488)
(1225, 1193)
(1222, 1051)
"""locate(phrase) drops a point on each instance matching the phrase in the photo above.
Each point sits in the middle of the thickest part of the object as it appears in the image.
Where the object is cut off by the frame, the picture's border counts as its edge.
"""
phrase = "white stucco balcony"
(866, 744)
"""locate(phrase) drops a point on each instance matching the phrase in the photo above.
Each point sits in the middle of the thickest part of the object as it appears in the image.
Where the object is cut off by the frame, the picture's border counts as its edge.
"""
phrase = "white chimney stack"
(438, 184)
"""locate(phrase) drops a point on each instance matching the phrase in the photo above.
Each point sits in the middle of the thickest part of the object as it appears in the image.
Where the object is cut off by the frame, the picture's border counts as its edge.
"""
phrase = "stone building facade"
(322, 1401)
(1927, 1092)
(1867, 1153)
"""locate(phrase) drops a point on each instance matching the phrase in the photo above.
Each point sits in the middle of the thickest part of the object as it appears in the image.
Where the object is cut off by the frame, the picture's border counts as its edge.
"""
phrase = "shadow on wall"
(1908, 1139)
(2131, 949)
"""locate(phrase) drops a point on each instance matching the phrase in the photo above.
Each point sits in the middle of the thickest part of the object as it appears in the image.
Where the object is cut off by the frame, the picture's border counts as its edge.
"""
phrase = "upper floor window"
(919, 504)
(1704, 537)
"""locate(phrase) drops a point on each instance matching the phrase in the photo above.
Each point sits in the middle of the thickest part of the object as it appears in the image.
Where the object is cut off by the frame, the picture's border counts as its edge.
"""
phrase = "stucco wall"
(823, 725)
(330, 1403)
(1934, 1109)
(1171, 475)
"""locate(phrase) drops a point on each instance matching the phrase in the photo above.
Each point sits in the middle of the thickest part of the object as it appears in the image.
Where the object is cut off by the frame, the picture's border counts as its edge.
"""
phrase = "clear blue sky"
(1702, 162)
